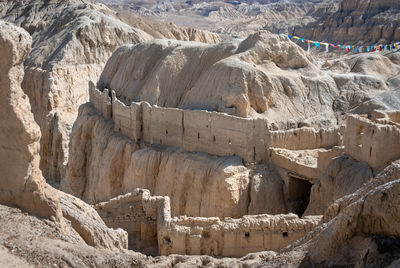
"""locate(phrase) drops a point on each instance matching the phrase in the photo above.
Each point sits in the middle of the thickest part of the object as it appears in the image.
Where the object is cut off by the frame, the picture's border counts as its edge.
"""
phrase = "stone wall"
(203, 131)
(373, 142)
(150, 218)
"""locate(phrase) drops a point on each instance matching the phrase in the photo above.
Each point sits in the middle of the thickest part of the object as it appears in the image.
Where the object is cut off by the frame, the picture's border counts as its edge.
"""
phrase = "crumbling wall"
(101, 100)
(203, 131)
(136, 213)
(232, 237)
(150, 216)
(375, 143)
(305, 138)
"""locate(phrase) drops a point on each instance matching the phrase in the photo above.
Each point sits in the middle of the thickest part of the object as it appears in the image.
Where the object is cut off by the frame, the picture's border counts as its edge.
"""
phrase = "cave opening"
(299, 195)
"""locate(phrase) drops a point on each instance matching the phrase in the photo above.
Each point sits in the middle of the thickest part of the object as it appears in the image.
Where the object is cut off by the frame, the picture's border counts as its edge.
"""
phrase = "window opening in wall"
(230, 142)
(166, 132)
(160, 141)
(370, 151)
(285, 234)
(214, 139)
(141, 128)
(254, 153)
(299, 195)
(247, 234)
(198, 135)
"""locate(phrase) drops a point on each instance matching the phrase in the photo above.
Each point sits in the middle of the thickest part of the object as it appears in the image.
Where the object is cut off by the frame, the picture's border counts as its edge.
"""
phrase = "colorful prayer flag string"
(357, 49)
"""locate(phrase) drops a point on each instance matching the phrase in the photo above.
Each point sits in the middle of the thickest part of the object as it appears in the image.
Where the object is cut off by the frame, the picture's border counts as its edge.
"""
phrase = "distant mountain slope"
(370, 21)
(231, 17)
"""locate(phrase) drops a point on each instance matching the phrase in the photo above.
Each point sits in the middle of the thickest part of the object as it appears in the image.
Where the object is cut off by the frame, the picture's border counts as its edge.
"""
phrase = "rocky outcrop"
(335, 183)
(264, 75)
(21, 181)
(71, 42)
(355, 21)
(248, 78)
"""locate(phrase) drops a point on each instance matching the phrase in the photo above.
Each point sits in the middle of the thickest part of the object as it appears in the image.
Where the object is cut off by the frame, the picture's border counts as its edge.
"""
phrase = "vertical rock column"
(21, 181)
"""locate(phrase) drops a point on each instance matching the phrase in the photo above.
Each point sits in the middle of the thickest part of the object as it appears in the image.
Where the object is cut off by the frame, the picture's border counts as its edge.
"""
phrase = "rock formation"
(263, 76)
(230, 141)
(355, 21)
(241, 78)
(21, 181)
(78, 38)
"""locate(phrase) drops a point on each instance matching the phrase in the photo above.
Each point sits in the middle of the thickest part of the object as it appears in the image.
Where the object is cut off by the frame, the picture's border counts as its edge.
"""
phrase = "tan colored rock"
(79, 38)
(376, 213)
(343, 176)
(249, 78)
(21, 181)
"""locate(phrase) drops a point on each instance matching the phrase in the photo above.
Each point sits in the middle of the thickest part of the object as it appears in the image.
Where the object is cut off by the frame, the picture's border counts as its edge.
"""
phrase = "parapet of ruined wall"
(150, 216)
(305, 138)
(100, 100)
(134, 212)
(203, 131)
(375, 142)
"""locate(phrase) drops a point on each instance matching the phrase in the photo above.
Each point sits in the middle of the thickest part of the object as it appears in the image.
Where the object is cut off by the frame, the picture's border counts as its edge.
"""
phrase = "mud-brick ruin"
(303, 154)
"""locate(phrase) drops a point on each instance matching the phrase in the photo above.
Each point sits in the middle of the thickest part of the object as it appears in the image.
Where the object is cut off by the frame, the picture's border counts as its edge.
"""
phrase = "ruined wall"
(150, 216)
(375, 143)
(203, 131)
(305, 138)
(136, 213)
(232, 237)
(100, 100)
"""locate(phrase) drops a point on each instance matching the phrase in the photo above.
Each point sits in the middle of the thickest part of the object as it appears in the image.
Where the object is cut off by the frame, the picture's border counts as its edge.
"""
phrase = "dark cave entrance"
(299, 195)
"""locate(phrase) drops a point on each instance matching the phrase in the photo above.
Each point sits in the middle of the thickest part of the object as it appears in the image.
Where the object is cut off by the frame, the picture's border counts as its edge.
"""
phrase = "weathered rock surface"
(231, 18)
(161, 29)
(21, 181)
(357, 21)
(343, 176)
(264, 75)
(71, 42)
(248, 78)
(198, 184)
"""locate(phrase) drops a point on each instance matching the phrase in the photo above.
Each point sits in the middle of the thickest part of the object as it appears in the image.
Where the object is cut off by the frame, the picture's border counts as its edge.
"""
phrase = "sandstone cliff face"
(105, 164)
(71, 42)
(21, 181)
(368, 21)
